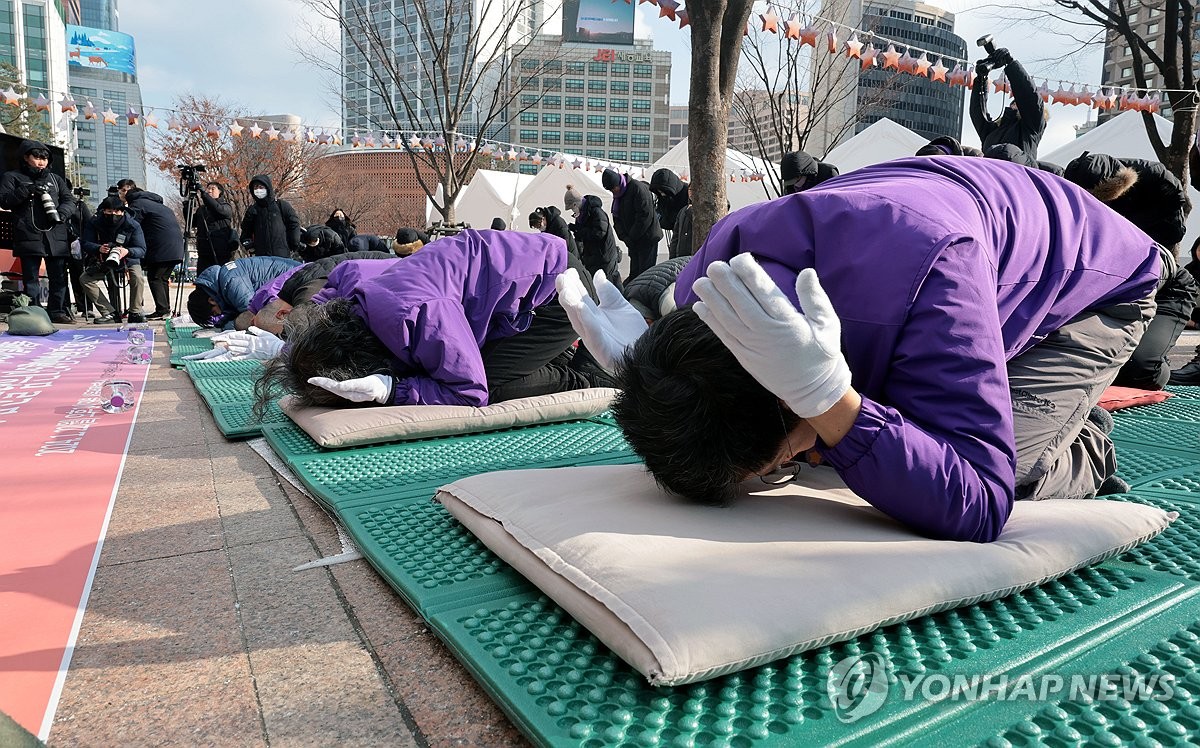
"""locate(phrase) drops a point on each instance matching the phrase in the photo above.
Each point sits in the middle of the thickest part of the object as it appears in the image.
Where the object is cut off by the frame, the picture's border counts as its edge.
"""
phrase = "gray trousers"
(1061, 454)
(96, 276)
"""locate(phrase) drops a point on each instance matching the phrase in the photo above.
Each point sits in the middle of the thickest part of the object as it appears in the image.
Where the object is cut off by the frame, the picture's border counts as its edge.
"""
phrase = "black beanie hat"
(112, 202)
(498, 224)
(407, 236)
(610, 179)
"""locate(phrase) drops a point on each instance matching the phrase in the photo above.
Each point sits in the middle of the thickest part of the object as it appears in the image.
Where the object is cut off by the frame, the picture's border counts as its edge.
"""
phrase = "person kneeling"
(471, 319)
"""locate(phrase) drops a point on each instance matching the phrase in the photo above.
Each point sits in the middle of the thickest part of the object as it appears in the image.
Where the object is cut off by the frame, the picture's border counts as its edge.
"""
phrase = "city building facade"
(33, 40)
(103, 70)
(594, 102)
(1148, 23)
(854, 101)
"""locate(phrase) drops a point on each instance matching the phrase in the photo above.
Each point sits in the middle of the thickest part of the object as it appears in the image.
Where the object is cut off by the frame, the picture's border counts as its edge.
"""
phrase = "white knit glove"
(377, 387)
(796, 355)
(607, 329)
(214, 354)
(255, 343)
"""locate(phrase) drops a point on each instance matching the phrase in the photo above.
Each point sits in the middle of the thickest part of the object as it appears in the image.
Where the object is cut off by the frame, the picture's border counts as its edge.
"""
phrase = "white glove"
(608, 329)
(214, 354)
(796, 355)
(377, 387)
(223, 337)
(256, 343)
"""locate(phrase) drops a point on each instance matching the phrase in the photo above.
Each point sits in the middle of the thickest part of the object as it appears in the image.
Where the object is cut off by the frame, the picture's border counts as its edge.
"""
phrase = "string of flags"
(822, 33)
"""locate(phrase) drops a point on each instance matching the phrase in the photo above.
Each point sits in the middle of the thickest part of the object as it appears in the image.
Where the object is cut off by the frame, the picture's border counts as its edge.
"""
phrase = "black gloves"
(982, 69)
(1001, 58)
(22, 191)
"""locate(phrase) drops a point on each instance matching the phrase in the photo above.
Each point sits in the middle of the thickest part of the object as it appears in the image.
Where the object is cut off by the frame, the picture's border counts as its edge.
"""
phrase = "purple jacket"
(270, 292)
(436, 309)
(941, 270)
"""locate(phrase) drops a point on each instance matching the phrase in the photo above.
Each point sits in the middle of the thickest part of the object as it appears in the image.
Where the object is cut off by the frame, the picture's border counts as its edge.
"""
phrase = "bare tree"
(473, 59)
(787, 90)
(718, 27)
(1091, 22)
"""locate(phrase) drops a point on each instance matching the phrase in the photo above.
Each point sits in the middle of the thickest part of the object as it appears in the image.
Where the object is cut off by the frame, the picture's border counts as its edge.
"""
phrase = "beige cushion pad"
(684, 593)
(355, 426)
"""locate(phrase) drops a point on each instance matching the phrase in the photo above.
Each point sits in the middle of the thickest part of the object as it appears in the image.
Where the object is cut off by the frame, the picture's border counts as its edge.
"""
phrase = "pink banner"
(61, 456)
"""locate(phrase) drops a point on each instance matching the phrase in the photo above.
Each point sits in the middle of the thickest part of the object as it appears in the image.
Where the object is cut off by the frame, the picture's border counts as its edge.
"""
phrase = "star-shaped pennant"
(196, 126)
(235, 129)
(67, 104)
(110, 117)
(854, 47)
(576, 164)
(770, 21)
(288, 135)
(905, 65)
(11, 97)
(831, 41)
(272, 133)
(891, 58)
(684, 18)
(667, 8)
(150, 121)
(792, 28)
(174, 124)
(808, 35)
(132, 116)
(387, 142)
(324, 138)
(957, 76)
(921, 65)
(212, 130)
(41, 103)
(870, 57)
(256, 131)
(89, 111)
(938, 71)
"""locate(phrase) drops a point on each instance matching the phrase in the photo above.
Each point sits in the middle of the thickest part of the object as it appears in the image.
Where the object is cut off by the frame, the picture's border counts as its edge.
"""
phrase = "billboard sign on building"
(598, 21)
(100, 49)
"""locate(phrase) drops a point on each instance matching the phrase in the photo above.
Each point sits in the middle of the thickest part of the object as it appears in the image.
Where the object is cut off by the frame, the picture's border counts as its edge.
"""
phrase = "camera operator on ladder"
(113, 243)
(43, 204)
(1024, 119)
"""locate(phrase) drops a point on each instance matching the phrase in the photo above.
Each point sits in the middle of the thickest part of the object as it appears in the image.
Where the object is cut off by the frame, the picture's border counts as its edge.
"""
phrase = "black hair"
(538, 216)
(127, 183)
(325, 340)
(220, 187)
(199, 306)
(697, 419)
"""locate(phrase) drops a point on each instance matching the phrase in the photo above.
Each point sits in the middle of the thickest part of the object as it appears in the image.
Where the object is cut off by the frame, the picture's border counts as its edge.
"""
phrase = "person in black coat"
(634, 219)
(342, 225)
(1023, 121)
(37, 235)
(799, 171)
(215, 237)
(597, 245)
(270, 227)
(368, 243)
(317, 242)
(549, 220)
(674, 210)
(1009, 152)
(114, 232)
(1157, 203)
(164, 244)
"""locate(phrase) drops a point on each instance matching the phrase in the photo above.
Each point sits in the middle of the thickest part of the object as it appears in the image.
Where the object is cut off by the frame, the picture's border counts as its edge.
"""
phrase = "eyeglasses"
(784, 473)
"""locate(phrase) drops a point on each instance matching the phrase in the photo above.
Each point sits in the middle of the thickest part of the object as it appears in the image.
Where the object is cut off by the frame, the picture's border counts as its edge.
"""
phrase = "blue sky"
(245, 53)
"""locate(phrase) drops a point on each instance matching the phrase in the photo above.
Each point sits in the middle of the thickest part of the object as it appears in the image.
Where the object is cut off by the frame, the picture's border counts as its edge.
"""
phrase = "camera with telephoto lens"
(189, 178)
(48, 206)
(113, 258)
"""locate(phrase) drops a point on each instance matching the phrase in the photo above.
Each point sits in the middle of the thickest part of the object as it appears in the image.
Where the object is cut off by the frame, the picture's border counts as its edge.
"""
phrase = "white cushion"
(354, 426)
(684, 592)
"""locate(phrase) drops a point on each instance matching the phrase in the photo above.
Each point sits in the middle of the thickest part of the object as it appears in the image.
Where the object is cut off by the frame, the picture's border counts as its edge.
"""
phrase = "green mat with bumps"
(227, 387)
(181, 347)
(1138, 614)
(179, 331)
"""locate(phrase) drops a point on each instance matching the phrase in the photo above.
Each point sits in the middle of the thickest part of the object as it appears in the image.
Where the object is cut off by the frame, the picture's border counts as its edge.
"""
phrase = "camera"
(81, 191)
(189, 178)
(47, 200)
(985, 41)
(113, 258)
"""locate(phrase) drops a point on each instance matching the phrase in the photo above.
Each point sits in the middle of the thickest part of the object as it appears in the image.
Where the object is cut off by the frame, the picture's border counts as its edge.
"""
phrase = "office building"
(33, 40)
(1146, 22)
(858, 98)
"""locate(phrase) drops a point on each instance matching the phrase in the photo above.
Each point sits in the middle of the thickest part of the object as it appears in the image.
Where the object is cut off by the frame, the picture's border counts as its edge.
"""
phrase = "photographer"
(215, 238)
(42, 203)
(164, 246)
(1024, 120)
(112, 243)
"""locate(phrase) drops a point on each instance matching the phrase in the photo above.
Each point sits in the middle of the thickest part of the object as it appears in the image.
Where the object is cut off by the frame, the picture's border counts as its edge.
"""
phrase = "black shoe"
(1101, 418)
(135, 318)
(157, 315)
(62, 319)
(1188, 374)
(1113, 484)
(105, 319)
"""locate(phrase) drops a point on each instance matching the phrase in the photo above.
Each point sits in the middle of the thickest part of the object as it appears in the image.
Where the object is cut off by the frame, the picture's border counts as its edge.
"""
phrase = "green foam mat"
(207, 370)
(231, 400)
(181, 347)
(341, 478)
(179, 331)
(1138, 613)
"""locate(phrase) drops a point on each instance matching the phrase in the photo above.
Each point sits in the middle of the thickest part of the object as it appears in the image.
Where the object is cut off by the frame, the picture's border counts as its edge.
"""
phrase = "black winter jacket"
(556, 225)
(634, 217)
(100, 231)
(344, 229)
(1023, 126)
(164, 238)
(648, 291)
(215, 237)
(370, 243)
(1151, 197)
(34, 235)
(671, 195)
(271, 225)
(329, 243)
(597, 245)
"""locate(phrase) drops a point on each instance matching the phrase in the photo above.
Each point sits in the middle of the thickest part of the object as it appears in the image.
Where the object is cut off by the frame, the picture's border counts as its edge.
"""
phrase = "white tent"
(881, 141)
(737, 164)
(1125, 136)
(548, 187)
(489, 194)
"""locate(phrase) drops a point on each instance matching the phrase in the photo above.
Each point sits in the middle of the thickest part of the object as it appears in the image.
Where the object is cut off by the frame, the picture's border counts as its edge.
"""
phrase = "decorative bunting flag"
(110, 117)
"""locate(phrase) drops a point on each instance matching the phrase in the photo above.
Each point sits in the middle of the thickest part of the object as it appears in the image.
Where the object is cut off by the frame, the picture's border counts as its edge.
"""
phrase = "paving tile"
(168, 469)
(255, 510)
(383, 617)
(329, 694)
(152, 522)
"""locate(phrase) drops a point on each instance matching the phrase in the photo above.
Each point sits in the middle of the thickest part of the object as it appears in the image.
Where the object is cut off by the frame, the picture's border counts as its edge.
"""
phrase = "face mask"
(114, 220)
(260, 193)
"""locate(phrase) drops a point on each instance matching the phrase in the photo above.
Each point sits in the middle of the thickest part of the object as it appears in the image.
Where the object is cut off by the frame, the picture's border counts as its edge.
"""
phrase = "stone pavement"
(198, 632)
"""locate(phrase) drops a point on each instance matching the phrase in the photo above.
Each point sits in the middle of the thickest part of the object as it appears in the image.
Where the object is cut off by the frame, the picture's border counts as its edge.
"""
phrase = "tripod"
(189, 190)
